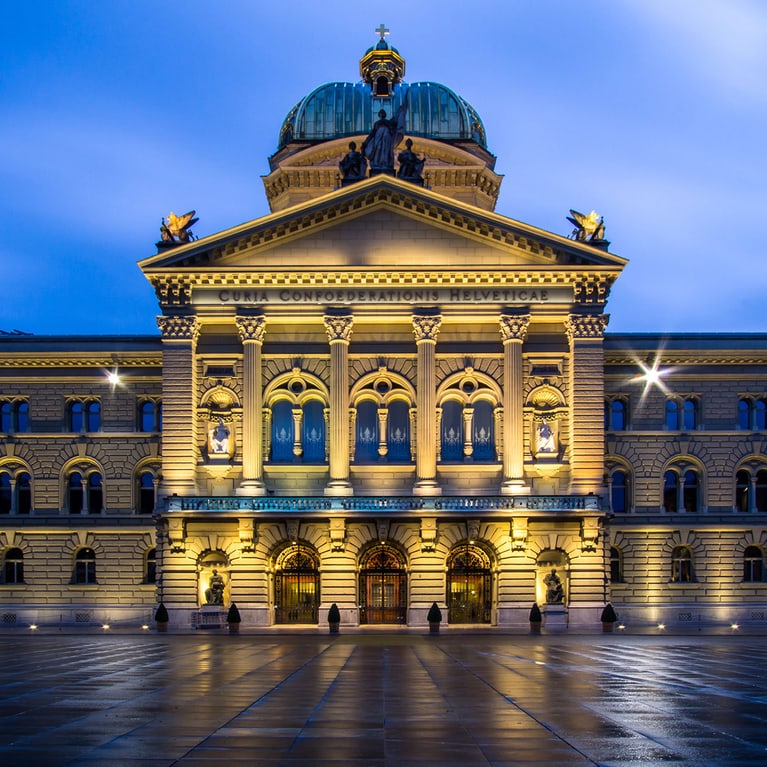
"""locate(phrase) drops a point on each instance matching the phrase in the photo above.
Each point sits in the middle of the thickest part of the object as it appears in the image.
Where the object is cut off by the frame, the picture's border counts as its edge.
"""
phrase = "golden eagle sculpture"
(176, 230)
(588, 228)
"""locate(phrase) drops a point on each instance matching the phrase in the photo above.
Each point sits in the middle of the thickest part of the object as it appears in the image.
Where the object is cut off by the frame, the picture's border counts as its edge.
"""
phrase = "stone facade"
(383, 395)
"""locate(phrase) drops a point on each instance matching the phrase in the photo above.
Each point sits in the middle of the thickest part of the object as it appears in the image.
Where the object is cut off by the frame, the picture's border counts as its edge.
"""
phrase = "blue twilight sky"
(115, 112)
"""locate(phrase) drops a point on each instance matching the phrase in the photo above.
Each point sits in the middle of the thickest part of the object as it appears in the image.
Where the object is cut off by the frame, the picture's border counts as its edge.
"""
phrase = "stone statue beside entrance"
(555, 591)
(214, 594)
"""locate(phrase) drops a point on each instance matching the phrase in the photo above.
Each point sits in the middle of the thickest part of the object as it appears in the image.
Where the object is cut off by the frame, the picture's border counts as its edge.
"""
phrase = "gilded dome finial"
(382, 67)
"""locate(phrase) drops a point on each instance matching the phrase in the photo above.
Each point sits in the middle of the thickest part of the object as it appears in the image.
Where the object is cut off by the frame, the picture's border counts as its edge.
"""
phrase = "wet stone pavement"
(381, 700)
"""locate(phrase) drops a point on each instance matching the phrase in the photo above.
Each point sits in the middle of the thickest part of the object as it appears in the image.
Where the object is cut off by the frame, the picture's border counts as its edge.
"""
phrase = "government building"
(383, 394)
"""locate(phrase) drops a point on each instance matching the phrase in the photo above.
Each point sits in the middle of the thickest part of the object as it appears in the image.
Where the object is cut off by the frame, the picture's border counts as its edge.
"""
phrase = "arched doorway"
(383, 586)
(469, 586)
(297, 586)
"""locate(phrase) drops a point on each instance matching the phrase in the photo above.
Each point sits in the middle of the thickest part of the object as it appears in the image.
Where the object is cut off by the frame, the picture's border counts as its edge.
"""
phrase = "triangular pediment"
(381, 223)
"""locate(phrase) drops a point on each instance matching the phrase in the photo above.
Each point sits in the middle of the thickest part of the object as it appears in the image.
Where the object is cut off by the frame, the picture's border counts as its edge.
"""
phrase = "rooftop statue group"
(378, 151)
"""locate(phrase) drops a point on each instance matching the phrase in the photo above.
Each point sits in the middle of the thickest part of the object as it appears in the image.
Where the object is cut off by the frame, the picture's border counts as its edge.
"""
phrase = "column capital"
(251, 328)
(514, 327)
(175, 328)
(338, 327)
(586, 326)
(426, 327)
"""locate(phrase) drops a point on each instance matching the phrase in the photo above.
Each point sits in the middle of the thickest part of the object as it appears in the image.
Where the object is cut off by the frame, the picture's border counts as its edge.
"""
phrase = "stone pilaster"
(426, 329)
(179, 404)
(585, 334)
(339, 330)
(252, 331)
(513, 334)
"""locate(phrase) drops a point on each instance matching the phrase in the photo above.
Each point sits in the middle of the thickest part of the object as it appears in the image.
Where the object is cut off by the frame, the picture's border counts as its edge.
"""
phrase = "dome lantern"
(382, 67)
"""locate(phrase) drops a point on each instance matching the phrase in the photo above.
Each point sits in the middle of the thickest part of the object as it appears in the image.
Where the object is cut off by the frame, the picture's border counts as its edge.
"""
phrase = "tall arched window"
(282, 432)
(615, 414)
(761, 490)
(398, 431)
(673, 420)
(75, 495)
(670, 491)
(619, 491)
(366, 437)
(14, 416)
(691, 494)
(85, 567)
(150, 416)
(13, 566)
(616, 565)
(313, 432)
(682, 565)
(145, 493)
(150, 566)
(6, 493)
(690, 414)
(23, 493)
(483, 431)
(95, 494)
(743, 491)
(681, 490)
(452, 431)
(92, 416)
(753, 565)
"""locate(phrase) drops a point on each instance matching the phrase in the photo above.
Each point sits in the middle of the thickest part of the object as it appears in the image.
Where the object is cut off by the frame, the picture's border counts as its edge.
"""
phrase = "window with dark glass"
(619, 492)
(150, 416)
(85, 567)
(75, 496)
(452, 431)
(670, 491)
(615, 415)
(313, 432)
(95, 493)
(743, 491)
(761, 490)
(146, 497)
(6, 494)
(13, 566)
(744, 414)
(366, 437)
(398, 431)
(753, 565)
(14, 416)
(616, 565)
(672, 415)
(282, 432)
(150, 574)
(690, 414)
(682, 568)
(691, 495)
(483, 432)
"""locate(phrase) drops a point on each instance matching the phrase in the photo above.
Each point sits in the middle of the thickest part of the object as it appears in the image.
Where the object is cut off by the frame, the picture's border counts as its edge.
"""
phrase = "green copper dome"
(336, 110)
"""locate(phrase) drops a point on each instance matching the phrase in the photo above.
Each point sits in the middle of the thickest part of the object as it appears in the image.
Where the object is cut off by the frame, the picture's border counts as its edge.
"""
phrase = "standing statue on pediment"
(384, 138)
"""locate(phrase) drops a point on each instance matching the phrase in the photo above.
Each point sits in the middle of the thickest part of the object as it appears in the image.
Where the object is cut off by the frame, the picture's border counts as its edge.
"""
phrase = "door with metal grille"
(383, 587)
(469, 586)
(297, 588)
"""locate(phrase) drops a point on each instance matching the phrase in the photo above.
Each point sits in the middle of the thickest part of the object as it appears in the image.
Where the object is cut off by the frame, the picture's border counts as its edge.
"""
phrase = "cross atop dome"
(382, 67)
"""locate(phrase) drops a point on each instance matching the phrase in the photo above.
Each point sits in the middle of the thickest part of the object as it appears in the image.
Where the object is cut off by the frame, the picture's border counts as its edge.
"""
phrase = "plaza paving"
(381, 700)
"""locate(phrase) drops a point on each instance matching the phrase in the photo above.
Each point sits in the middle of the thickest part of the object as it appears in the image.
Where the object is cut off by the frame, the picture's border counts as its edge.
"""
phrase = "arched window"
(753, 565)
(150, 566)
(85, 567)
(761, 490)
(6, 494)
(483, 432)
(313, 432)
(398, 431)
(75, 495)
(619, 492)
(23, 493)
(760, 415)
(13, 566)
(615, 415)
(690, 418)
(670, 491)
(672, 415)
(14, 416)
(691, 491)
(752, 414)
(743, 491)
(150, 416)
(366, 437)
(75, 416)
(145, 493)
(682, 566)
(282, 432)
(92, 416)
(95, 494)
(452, 431)
(744, 414)
(616, 565)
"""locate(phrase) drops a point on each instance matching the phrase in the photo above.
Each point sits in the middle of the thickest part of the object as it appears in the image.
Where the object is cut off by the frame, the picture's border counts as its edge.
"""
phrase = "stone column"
(339, 330)
(252, 331)
(426, 329)
(179, 404)
(585, 333)
(513, 333)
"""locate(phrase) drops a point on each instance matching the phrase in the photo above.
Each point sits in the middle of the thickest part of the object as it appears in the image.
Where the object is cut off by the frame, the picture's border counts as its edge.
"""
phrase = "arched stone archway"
(297, 586)
(469, 585)
(383, 586)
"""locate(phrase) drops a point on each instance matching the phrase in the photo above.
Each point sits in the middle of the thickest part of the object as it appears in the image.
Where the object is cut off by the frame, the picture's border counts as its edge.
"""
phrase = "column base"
(515, 487)
(427, 487)
(339, 487)
(251, 487)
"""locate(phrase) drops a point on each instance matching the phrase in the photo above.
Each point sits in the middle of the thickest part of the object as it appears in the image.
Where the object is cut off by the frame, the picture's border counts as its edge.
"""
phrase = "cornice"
(27, 360)
(623, 357)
